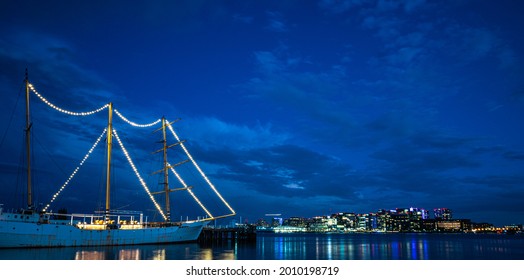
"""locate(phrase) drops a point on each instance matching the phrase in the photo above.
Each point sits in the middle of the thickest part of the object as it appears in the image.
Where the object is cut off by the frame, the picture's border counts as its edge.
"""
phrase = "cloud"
(280, 170)
(507, 57)
(294, 186)
(412, 5)
(276, 22)
(478, 43)
(339, 6)
(55, 74)
(319, 103)
(329, 106)
(382, 6)
(268, 63)
(243, 18)
(212, 132)
(512, 155)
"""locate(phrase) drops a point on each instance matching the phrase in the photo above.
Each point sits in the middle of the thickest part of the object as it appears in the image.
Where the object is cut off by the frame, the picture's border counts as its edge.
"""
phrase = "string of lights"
(75, 171)
(189, 190)
(135, 124)
(142, 182)
(63, 110)
(198, 168)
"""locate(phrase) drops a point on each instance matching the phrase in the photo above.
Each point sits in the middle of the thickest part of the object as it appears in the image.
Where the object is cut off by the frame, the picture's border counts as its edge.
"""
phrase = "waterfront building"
(363, 222)
(397, 220)
(262, 223)
(295, 222)
(345, 221)
(512, 229)
(276, 222)
(448, 225)
(482, 227)
(318, 224)
(419, 213)
(428, 225)
(323, 224)
(453, 225)
(442, 214)
(383, 219)
(424, 214)
(373, 222)
(416, 216)
(331, 223)
(350, 221)
(400, 220)
(288, 229)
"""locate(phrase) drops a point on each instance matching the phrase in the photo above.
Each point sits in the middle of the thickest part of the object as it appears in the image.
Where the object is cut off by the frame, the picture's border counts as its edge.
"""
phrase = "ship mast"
(109, 145)
(166, 166)
(166, 171)
(28, 142)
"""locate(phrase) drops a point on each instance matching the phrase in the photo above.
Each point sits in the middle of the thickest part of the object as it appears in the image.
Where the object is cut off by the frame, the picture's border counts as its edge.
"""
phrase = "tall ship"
(34, 226)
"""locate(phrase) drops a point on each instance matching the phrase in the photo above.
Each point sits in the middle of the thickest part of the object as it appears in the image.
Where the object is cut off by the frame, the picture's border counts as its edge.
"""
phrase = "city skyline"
(443, 214)
(307, 107)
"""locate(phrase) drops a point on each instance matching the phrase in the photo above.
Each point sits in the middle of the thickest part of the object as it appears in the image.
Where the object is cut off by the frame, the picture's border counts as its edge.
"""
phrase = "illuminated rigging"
(200, 170)
(63, 110)
(142, 182)
(75, 171)
(189, 191)
(110, 131)
(136, 124)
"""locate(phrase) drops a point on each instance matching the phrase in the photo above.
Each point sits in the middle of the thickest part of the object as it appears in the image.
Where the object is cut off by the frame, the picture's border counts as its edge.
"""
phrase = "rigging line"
(63, 110)
(189, 190)
(75, 171)
(133, 123)
(37, 140)
(198, 168)
(12, 114)
(19, 192)
(142, 182)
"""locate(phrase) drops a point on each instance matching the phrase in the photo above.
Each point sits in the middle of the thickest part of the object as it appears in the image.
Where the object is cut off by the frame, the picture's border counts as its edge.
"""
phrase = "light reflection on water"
(303, 247)
(390, 247)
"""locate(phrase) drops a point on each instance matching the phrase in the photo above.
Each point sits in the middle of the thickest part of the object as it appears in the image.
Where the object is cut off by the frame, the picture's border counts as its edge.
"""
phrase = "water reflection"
(388, 247)
(105, 254)
(90, 255)
(159, 254)
(165, 252)
(302, 247)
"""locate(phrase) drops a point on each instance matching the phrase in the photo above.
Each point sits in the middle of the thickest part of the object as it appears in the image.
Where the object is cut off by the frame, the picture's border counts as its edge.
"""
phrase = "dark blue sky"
(295, 107)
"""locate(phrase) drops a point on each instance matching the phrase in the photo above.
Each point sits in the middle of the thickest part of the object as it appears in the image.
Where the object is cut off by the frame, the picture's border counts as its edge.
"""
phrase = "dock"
(211, 234)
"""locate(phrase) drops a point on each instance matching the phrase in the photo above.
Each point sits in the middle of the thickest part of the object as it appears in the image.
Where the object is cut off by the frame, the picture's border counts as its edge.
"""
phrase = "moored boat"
(32, 227)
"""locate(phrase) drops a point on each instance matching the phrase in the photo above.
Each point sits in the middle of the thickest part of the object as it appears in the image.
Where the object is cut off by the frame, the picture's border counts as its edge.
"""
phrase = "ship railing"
(112, 219)
(127, 219)
(203, 219)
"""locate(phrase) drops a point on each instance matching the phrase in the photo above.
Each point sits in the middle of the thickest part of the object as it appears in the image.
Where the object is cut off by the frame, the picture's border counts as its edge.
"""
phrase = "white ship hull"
(16, 234)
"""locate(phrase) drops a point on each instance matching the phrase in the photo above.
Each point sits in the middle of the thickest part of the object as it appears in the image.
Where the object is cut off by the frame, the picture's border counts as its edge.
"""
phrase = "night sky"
(301, 108)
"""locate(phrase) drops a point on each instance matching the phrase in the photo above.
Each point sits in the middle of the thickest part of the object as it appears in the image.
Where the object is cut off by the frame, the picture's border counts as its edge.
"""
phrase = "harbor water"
(303, 246)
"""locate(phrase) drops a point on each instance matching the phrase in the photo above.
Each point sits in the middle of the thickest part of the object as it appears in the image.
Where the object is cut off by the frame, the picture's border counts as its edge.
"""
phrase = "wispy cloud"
(276, 22)
(339, 6)
(243, 18)
(212, 132)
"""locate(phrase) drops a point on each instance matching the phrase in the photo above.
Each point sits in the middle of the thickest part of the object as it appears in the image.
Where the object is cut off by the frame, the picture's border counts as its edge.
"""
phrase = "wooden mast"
(109, 145)
(28, 142)
(166, 171)
(165, 168)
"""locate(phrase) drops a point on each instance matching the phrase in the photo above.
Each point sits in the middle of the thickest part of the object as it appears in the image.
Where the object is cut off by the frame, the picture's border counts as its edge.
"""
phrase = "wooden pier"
(210, 234)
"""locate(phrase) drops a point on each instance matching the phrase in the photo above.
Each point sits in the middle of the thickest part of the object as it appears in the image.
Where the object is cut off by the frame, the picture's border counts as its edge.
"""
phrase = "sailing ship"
(32, 227)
